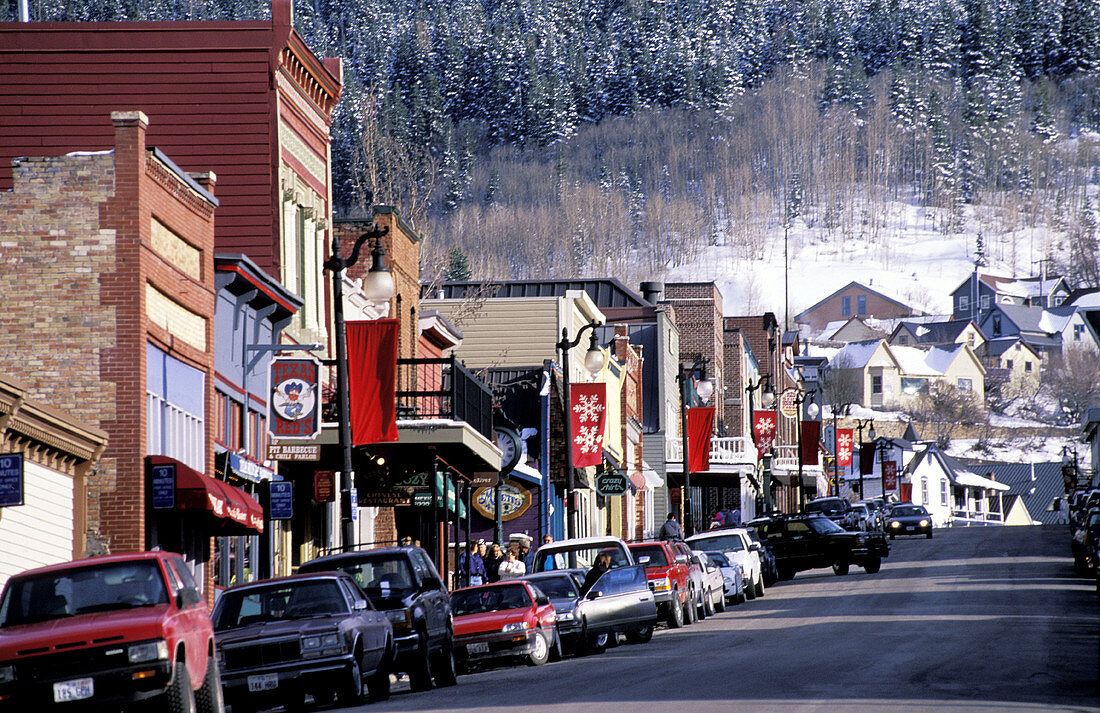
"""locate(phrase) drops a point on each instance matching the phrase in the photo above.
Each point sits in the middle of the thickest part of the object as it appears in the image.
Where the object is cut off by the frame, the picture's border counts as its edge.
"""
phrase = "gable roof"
(856, 355)
(605, 292)
(851, 284)
(946, 332)
(1022, 287)
(997, 347)
(1037, 484)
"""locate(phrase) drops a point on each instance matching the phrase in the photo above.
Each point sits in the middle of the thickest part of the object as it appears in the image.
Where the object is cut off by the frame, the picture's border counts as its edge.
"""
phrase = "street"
(981, 619)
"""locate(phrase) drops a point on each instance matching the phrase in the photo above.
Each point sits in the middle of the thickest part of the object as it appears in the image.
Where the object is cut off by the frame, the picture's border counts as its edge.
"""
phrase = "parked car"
(106, 632)
(804, 542)
(908, 519)
(668, 572)
(877, 508)
(511, 619)
(714, 586)
(404, 583)
(732, 579)
(695, 575)
(317, 633)
(837, 509)
(767, 557)
(1085, 541)
(737, 545)
(580, 552)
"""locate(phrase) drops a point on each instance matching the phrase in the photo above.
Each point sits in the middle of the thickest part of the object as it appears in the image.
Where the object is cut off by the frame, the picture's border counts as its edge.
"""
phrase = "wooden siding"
(504, 332)
(45, 520)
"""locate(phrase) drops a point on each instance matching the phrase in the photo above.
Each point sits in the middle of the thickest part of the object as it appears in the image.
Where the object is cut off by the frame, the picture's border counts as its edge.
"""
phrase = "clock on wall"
(510, 446)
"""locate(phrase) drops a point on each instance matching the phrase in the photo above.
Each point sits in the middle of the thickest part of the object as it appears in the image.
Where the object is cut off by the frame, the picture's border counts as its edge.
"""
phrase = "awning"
(637, 479)
(234, 511)
(652, 479)
(976, 481)
(524, 472)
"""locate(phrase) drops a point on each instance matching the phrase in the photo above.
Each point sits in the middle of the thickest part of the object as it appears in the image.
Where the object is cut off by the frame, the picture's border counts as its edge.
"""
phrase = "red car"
(669, 579)
(104, 632)
(506, 619)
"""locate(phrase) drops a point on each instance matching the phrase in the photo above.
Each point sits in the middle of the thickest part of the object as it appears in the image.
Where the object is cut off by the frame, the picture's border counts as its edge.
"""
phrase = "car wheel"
(720, 605)
(786, 574)
(929, 535)
(690, 608)
(378, 683)
(541, 652)
(443, 666)
(760, 586)
(872, 564)
(750, 590)
(420, 672)
(891, 535)
(708, 604)
(208, 699)
(351, 692)
(640, 636)
(675, 612)
(596, 643)
(180, 695)
(840, 567)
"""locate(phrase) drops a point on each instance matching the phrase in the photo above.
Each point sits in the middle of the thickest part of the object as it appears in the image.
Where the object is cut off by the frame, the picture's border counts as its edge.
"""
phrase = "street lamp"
(378, 287)
(767, 398)
(704, 389)
(593, 362)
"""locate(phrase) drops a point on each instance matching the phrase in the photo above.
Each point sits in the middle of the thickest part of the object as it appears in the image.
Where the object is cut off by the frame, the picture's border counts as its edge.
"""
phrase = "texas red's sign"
(294, 398)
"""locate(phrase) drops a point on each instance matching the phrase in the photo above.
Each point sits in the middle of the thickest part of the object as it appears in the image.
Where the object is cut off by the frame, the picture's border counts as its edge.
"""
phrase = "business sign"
(611, 483)
(281, 500)
(164, 487)
(514, 501)
(788, 403)
(486, 479)
(299, 452)
(294, 398)
(386, 498)
(231, 466)
(889, 475)
(324, 486)
(11, 479)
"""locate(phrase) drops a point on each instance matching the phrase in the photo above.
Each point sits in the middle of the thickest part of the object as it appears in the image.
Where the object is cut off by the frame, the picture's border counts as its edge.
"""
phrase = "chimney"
(206, 179)
(651, 291)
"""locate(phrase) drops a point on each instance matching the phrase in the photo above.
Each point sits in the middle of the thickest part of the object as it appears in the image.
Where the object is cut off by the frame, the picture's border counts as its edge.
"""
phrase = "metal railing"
(737, 450)
(443, 388)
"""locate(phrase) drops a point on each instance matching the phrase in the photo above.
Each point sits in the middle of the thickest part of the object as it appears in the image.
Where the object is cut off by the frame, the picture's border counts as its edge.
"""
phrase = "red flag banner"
(844, 439)
(700, 424)
(763, 430)
(866, 458)
(811, 434)
(587, 413)
(372, 377)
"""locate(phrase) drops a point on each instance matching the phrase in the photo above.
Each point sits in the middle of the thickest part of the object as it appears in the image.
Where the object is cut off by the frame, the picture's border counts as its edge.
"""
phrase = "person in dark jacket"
(602, 564)
(477, 566)
(671, 530)
(492, 562)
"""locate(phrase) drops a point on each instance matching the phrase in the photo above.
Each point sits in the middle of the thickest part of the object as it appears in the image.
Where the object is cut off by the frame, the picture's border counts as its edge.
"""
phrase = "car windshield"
(718, 558)
(557, 557)
(287, 600)
(908, 510)
(650, 555)
(831, 507)
(82, 590)
(479, 600)
(726, 543)
(383, 576)
(823, 526)
(557, 587)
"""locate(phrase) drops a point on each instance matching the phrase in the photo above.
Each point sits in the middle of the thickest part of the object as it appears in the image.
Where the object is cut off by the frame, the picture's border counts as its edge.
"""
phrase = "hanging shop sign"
(231, 467)
(164, 487)
(298, 452)
(324, 486)
(514, 500)
(611, 483)
(788, 403)
(486, 479)
(281, 503)
(294, 398)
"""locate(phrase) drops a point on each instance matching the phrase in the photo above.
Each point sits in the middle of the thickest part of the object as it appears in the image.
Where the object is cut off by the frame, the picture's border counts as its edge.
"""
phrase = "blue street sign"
(11, 479)
(281, 502)
(164, 487)
(354, 504)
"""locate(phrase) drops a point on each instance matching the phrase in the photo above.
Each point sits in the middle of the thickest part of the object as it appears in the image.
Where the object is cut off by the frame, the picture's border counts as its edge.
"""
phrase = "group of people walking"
(489, 562)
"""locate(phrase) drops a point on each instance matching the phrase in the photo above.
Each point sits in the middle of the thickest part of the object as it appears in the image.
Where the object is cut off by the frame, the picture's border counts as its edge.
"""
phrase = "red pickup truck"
(104, 632)
(669, 580)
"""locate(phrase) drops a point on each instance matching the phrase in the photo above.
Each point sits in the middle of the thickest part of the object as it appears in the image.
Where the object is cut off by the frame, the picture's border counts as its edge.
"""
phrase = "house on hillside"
(1025, 323)
(953, 331)
(868, 370)
(852, 300)
(980, 292)
(1013, 365)
(1074, 330)
(882, 375)
(854, 329)
(951, 492)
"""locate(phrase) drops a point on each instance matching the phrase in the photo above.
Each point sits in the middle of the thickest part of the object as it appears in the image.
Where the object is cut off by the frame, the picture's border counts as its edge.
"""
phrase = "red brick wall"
(831, 309)
(697, 312)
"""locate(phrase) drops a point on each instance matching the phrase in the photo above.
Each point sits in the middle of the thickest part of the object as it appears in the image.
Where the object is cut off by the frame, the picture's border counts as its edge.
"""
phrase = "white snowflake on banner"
(844, 442)
(588, 408)
(588, 440)
(766, 426)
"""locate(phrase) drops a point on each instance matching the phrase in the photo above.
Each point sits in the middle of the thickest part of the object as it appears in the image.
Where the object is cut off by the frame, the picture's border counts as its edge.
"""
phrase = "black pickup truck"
(802, 542)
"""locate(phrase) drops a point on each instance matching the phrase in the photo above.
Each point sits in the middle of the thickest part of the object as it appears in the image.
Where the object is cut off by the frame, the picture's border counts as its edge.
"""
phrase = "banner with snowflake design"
(763, 430)
(844, 439)
(587, 414)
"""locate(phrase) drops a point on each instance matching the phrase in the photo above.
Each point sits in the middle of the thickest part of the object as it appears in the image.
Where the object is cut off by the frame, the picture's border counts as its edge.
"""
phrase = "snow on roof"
(1051, 322)
(105, 152)
(914, 361)
(921, 331)
(1089, 301)
(855, 355)
(939, 359)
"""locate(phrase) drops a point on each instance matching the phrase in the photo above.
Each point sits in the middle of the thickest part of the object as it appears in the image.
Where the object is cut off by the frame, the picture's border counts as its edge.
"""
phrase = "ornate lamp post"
(593, 361)
(704, 388)
(767, 400)
(378, 287)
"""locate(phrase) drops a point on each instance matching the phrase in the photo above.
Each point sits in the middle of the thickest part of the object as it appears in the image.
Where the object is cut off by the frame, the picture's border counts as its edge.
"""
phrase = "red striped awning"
(234, 511)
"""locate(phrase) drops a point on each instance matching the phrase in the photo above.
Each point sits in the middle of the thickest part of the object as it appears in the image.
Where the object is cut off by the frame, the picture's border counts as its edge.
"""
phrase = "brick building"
(852, 300)
(108, 315)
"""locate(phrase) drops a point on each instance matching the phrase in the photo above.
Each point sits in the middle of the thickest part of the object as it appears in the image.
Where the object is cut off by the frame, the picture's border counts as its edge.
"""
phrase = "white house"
(952, 493)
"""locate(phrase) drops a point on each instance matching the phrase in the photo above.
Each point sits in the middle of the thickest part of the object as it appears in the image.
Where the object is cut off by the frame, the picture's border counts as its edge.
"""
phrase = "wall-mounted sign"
(287, 451)
(422, 500)
(281, 502)
(324, 486)
(231, 466)
(354, 503)
(11, 479)
(414, 480)
(611, 483)
(385, 499)
(164, 487)
(514, 499)
(294, 397)
(788, 403)
(487, 479)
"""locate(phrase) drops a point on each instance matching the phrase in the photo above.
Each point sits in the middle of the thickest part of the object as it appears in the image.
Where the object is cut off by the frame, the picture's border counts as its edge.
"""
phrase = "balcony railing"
(786, 457)
(737, 450)
(963, 518)
(443, 388)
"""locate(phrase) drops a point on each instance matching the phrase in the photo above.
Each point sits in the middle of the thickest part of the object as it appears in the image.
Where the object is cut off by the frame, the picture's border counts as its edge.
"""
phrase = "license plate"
(263, 682)
(76, 690)
(477, 648)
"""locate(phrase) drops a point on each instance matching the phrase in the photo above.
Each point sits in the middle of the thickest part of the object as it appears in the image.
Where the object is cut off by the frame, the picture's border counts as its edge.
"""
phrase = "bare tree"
(1073, 379)
(842, 384)
(944, 408)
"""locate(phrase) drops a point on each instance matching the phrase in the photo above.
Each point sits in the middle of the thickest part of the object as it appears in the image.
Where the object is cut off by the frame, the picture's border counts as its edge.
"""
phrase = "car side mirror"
(181, 600)
(542, 600)
(360, 605)
(594, 594)
(681, 559)
(430, 583)
(754, 547)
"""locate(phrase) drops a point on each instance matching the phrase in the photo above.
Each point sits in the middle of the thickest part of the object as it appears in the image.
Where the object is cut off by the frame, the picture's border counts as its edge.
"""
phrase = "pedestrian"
(671, 530)
(511, 567)
(547, 539)
(476, 568)
(527, 555)
(719, 520)
(734, 517)
(492, 563)
(601, 565)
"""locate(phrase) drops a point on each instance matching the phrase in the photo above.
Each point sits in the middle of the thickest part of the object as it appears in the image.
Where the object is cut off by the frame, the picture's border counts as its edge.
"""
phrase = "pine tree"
(458, 266)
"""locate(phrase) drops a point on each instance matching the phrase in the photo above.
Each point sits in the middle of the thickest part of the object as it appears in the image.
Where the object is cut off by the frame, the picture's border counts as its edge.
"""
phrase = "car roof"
(580, 541)
(492, 585)
(101, 559)
(303, 576)
(715, 531)
(360, 555)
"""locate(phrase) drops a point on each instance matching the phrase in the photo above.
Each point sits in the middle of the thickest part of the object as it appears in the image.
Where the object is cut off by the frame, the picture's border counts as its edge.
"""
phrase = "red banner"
(763, 430)
(866, 458)
(889, 475)
(844, 439)
(811, 434)
(700, 423)
(372, 377)
(587, 414)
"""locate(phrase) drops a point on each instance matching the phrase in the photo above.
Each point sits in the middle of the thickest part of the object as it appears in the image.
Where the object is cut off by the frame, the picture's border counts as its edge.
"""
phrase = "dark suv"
(803, 542)
(839, 510)
(403, 582)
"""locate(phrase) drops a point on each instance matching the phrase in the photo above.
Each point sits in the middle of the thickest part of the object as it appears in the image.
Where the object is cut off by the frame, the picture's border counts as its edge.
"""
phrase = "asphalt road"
(979, 619)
